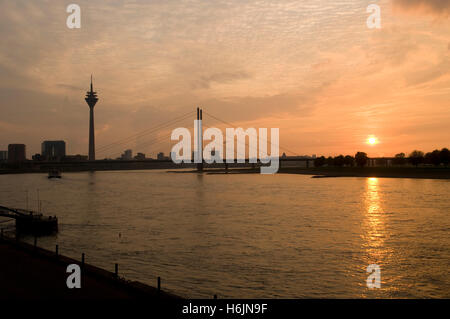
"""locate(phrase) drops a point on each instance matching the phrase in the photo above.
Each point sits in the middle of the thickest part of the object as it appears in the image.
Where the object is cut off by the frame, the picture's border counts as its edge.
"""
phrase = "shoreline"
(29, 272)
(379, 172)
(442, 173)
(315, 172)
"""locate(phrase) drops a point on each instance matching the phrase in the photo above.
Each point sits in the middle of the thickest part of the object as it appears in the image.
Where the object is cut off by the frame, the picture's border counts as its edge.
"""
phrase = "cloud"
(70, 87)
(221, 78)
(434, 7)
(306, 64)
(429, 73)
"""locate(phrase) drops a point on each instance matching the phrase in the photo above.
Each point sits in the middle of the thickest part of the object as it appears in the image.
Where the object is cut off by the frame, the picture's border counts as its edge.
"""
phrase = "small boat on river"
(54, 173)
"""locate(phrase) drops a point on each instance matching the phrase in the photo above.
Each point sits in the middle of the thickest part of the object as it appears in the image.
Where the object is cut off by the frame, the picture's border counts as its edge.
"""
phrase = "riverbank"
(389, 172)
(427, 172)
(28, 272)
(100, 165)
(382, 172)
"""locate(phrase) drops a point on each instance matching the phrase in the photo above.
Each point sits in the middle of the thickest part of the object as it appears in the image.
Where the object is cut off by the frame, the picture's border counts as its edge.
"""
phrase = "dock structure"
(30, 222)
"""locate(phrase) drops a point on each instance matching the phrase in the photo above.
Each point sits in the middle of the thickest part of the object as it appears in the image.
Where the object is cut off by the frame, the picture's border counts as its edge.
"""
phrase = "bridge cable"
(227, 123)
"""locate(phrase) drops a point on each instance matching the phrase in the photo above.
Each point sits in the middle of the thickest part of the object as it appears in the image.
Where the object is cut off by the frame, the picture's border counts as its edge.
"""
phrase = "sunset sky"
(310, 67)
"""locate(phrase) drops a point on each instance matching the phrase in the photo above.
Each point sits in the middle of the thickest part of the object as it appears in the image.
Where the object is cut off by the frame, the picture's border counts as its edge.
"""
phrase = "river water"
(250, 236)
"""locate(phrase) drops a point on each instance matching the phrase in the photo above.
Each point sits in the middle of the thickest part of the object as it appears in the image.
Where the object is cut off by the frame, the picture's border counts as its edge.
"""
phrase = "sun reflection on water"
(375, 234)
(374, 222)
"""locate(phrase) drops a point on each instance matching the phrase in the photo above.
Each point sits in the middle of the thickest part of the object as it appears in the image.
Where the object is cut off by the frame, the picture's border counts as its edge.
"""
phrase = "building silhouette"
(91, 99)
(140, 157)
(37, 157)
(16, 153)
(3, 156)
(161, 157)
(53, 150)
(127, 155)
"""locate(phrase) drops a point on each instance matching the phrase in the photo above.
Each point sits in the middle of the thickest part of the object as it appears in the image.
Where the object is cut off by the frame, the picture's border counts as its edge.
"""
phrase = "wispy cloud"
(311, 66)
(434, 7)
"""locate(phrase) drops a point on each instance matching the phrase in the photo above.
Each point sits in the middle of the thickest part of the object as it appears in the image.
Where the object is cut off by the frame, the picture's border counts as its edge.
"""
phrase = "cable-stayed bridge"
(142, 141)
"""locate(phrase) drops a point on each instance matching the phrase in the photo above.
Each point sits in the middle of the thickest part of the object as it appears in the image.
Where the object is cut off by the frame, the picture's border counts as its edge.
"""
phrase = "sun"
(372, 140)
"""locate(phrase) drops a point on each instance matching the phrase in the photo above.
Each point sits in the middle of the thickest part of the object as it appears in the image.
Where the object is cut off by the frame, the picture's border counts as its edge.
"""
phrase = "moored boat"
(54, 174)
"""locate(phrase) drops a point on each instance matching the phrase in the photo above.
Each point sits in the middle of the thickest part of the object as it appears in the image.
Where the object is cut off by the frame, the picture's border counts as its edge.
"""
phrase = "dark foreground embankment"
(27, 272)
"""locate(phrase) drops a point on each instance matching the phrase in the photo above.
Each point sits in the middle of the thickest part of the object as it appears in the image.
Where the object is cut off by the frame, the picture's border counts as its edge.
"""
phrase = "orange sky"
(311, 68)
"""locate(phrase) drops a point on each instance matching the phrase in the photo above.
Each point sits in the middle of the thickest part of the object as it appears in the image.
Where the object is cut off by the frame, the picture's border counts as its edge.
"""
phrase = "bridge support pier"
(159, 284)
(199, 144)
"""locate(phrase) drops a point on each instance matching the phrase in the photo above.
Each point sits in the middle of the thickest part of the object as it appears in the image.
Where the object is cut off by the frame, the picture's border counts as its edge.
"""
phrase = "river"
(250, 236)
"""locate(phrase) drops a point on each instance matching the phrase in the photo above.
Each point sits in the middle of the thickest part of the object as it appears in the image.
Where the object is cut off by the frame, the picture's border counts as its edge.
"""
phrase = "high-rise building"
(53, 150)
(127, 155)
(91, 99)
(16, 153)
